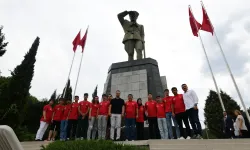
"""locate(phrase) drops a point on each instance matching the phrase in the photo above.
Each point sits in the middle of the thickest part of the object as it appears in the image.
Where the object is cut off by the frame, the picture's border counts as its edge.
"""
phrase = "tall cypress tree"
(3, 44)
(214, 113)
(18, 89)
(53, 96)
(67, 91)
(95, 92)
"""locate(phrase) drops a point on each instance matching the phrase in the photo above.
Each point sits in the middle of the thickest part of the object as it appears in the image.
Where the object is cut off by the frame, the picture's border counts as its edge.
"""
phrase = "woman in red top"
(56, 119)
(140, 120)
(64, 121)
(45, 120)
(93, 122)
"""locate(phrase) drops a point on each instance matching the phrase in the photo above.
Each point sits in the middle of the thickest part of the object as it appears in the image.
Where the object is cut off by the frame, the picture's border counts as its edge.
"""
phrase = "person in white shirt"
(240, 123)
(236, 130)
(191, 102)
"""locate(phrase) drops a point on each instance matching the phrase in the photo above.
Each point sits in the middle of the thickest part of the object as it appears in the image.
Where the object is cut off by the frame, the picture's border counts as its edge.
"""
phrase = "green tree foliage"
(15, 94)
(214, 113)
(3, 44)
(67, 91)
(95, 92)
(33, 114)
(53, 96)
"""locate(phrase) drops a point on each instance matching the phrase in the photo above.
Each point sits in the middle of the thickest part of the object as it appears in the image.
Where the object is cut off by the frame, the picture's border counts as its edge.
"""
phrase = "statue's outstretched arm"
(121, 16)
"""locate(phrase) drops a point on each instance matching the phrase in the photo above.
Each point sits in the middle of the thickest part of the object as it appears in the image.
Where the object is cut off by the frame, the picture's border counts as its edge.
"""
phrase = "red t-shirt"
(58, 112)
(179, 105)
(104, 108)
(74, 111)
(94, 108)
(141, 112)
(84, 106)
(66, 110)
(168, 102)
(150, 107)
(160, 107)
(49, 111)
(130, 109)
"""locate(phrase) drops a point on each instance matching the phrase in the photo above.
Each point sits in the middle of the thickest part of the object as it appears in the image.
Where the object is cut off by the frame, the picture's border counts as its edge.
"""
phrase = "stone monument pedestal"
(137, 77)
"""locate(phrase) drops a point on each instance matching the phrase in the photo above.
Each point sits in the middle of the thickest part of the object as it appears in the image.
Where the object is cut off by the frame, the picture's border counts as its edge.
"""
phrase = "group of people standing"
(85, 120)
(180, 108)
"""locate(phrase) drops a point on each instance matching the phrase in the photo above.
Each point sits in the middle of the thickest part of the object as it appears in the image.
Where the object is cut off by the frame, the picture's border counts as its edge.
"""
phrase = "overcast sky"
(168, 38)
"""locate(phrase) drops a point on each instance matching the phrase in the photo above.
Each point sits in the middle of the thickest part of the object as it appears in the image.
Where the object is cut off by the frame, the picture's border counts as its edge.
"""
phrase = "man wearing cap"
(83, 109)
(134, 34)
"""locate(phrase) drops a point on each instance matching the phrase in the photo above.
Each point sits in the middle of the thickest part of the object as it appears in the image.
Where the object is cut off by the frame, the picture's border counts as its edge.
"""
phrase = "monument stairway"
(213, 144)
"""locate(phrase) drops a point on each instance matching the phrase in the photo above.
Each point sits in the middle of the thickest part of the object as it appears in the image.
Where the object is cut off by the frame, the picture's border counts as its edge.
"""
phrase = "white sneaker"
(188, 138)
(181, 138)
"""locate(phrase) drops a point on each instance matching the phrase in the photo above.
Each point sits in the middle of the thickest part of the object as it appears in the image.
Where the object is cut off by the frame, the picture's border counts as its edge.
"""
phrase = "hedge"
(91, 145)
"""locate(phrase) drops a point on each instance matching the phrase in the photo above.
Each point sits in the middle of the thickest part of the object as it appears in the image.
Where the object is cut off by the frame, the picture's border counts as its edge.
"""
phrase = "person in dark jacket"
(228, 128)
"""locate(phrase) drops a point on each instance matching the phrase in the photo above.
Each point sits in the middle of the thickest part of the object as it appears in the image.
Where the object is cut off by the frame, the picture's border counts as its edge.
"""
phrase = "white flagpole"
(69, 74)
(78, 76)
(228, 67)
(209, 65)
(79, 68)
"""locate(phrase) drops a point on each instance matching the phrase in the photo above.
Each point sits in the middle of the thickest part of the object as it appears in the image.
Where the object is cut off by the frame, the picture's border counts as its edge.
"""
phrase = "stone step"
(217, 144)
(34, 145)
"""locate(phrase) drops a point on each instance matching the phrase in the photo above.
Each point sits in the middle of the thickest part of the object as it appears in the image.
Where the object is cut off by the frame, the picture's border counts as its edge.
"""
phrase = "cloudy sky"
(167, 34)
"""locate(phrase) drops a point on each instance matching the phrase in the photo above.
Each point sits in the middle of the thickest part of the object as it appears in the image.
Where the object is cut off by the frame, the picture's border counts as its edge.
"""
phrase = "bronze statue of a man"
(134, 34)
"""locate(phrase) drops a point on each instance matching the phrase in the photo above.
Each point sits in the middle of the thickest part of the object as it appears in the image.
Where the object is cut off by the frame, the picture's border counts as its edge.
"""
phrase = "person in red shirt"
(64, 121)
(179, 111)
(45, 120)
(103, 117)
(56, 119)
(161, 118)
(168, 100)
(83, 119)
(151, 113)
(93, 122)
(72, 119)
(140, 120)
(131, 113)
(110, 97)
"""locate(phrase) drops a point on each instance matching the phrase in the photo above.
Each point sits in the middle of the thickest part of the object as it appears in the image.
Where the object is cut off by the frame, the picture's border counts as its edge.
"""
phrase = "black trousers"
(140, 130)
(183, 117)
(153, 128)
(193, 116)
(244, 134)
(82, 127)
(72, 125)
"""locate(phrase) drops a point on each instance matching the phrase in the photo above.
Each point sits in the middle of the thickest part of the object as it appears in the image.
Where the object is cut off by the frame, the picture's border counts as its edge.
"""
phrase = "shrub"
(90, 145)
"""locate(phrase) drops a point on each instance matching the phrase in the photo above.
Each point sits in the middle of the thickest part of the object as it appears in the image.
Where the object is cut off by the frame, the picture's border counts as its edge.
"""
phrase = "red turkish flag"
(195, 25)
(76, 41)
(83, 40)
(206, 24)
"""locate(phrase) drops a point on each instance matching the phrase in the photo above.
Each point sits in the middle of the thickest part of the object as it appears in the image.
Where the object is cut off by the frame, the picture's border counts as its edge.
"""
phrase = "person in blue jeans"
(131, 113)
(168, 109)
(64, 121)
